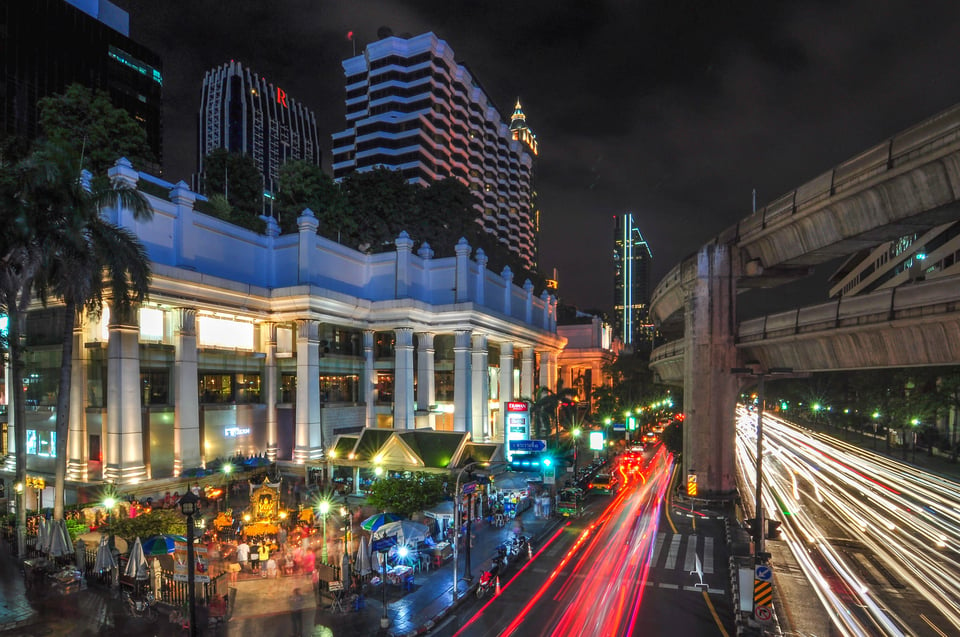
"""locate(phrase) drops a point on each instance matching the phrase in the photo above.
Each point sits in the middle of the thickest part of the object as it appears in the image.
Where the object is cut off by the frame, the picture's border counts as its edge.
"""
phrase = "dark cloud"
(672, 109)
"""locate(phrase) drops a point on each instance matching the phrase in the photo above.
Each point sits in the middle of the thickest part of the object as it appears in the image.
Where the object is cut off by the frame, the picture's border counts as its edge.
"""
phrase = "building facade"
(49, 44)
(412, 108)
(590, 349)
(266, 343)
(631, 284)
(243, 113)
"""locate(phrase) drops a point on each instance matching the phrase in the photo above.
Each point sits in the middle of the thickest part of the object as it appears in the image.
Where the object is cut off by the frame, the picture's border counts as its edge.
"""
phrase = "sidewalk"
(265, 609)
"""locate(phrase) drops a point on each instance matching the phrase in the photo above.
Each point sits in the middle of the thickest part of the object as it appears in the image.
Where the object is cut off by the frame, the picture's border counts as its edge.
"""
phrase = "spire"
(518, 120)
(520, 130)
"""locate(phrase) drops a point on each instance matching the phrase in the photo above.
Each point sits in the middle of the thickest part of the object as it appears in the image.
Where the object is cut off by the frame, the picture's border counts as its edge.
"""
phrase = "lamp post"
(323, 509)
(576, 449)
(188, 506)
(758, 506)
(109, 503)
(227, 470)
(21, 530)
(456, 519)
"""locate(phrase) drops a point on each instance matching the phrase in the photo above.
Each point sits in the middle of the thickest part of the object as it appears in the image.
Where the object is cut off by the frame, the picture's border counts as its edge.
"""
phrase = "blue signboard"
(383, 544)
(528, 445)
(469, 488)
(619, 426)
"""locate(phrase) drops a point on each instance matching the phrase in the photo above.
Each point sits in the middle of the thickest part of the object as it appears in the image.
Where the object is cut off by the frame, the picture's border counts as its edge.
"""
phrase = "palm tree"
(543, 409)
(28, 223)
(89, 258)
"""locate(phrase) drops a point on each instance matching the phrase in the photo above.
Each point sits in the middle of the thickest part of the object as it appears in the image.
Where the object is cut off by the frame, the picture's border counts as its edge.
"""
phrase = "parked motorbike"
(520, 547)
(145, 606)
(488, 578)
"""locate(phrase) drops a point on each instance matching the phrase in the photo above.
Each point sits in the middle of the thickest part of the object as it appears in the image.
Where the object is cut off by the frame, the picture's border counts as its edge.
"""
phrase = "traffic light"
(547, 461)
(752, 527)
(773, 529)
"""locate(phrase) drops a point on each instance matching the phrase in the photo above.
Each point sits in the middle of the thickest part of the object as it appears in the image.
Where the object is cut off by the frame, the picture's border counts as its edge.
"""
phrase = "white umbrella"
(104, 560)
(43, 536)
(66, 536)
(345, 571)
(363, 558)
(406, 531)
(57, 546)
(137, 563)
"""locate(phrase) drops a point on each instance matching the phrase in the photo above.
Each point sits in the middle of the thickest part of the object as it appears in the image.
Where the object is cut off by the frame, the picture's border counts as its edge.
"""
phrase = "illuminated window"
(151, 324)
(216, 388)
(42, 443)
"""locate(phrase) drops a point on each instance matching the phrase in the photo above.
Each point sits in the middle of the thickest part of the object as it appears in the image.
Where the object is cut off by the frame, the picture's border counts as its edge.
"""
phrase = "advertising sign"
(596, 440)
(517, 417)
(201, 572)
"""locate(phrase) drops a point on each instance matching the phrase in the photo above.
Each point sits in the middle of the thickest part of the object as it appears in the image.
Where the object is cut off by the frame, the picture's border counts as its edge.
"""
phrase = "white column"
(268, 336)
(526, 373)
(461, 381)
(426, 376)
(369, 379)
(187, 446)
(548, 370)
(308, 437)
(480, 389)
(403, 379)
(506, 382)
(124, 447)
(77, 437)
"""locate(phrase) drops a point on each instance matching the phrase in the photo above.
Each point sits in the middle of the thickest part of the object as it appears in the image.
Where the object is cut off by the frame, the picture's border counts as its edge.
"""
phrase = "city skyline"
(673, 114)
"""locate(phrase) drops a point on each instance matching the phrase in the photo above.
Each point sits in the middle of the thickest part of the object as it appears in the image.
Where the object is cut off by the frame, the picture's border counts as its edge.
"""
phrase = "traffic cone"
(496, 589)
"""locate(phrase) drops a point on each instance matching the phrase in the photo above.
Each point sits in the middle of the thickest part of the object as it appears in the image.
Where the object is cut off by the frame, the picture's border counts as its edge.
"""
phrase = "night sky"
(674, 110)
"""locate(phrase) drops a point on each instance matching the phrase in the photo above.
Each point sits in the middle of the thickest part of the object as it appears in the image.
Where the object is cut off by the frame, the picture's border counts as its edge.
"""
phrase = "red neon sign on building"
(282, 97)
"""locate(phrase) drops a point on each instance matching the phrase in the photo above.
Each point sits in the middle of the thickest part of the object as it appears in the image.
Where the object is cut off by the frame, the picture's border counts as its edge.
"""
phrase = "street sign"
(469, 488)
(619, 426)
(528, 445)
(383, 544)
(549, 475)
(763, 613)
(763, 573)
(762, 594)
(692, 485)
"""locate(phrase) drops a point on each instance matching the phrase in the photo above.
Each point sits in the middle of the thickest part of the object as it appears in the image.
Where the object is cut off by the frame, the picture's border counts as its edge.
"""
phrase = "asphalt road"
(618, 570)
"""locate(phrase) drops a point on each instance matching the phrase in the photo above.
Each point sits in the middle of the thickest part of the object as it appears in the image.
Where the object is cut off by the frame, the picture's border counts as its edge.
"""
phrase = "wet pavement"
(262, 606)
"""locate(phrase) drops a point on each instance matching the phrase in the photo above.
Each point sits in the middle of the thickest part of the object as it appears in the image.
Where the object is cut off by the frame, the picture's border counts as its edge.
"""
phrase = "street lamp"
(760, 376)
(109, 503)
(21, 530)
(188, 506)
(576, 448)
(323, 509)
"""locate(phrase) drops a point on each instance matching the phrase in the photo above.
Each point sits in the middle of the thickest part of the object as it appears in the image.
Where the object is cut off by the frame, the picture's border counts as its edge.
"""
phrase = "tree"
(384, 200)
(157, 522)
(236, 177)
(305, 185)
(407, 494)
(445, 213)
(86, 250)
(85, 124)
(948, 405)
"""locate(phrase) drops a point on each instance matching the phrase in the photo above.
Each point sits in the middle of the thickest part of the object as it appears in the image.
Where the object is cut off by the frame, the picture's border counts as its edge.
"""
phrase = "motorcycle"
(145, 607)
(488, 578)
(519, 547)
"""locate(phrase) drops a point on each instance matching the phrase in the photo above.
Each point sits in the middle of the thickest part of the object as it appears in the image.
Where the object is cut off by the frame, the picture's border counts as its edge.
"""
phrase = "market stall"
(512, 491)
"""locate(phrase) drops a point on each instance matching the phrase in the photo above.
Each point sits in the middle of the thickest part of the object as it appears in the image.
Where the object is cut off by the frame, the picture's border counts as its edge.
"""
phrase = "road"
(590, 578)
(879, 540)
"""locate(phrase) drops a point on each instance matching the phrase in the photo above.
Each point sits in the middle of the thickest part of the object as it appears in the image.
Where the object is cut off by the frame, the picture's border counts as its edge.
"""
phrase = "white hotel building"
(269, 343)
(412, 108)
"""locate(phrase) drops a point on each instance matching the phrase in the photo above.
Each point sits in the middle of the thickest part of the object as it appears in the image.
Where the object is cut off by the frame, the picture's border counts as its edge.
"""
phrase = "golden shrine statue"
(265, 503)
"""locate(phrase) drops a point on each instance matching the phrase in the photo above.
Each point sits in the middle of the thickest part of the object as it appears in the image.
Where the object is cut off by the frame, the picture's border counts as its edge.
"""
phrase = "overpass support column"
(709, 389)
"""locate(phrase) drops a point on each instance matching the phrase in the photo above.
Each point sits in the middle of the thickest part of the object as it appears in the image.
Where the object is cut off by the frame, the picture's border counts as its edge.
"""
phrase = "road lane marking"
(673, 553)
(707, 555)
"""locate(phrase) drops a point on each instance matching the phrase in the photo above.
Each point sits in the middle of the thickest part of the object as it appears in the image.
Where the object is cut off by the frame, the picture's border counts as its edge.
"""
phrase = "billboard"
(516, 423)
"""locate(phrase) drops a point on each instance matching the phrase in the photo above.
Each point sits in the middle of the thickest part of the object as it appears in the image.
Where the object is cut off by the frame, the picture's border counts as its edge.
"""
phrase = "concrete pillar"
(124, 446)
(426, 376)
(526, 372)
(479, 388)
(268, 338)
(528, 305)
(308, 437)
(710, 390)
(187, 445)
(77, 420)
(307, 226)
(404, 247)
(403, 402)
(462, 292)
(548, 370)
(462, 407)
(481, 259)
(369, 380)
(506, 382)
(507, 275)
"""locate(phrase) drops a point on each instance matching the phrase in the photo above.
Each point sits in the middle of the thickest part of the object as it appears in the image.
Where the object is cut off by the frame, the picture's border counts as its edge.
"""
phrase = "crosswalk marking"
(707, 556)
(673, 553)
(657, 545)
(690, 558)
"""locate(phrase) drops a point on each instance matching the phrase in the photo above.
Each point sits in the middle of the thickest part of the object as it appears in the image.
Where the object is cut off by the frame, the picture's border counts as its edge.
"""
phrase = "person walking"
(296, 612)
(243, 554)
(263, 555)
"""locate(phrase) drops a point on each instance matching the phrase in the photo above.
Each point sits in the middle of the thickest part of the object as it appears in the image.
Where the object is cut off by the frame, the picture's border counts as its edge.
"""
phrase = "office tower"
(412, 108)
(49, 44)
(243, 113)
(631, 296)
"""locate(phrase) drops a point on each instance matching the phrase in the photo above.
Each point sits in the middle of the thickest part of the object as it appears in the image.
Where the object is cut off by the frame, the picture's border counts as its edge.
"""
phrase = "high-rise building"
(49, 44)
(243, 113)
(631, 296)
(412, 108)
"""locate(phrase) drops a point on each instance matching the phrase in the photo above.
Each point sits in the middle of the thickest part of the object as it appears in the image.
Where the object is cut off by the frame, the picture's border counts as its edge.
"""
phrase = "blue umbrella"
(161, 544)
(374, 522)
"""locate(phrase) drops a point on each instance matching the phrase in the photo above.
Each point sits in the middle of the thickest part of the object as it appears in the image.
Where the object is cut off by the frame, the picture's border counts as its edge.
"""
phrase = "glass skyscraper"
(631, 296)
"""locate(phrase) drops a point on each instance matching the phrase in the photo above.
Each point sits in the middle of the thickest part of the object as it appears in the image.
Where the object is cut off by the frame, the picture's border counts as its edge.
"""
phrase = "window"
(384, 387)
(216, 388)
(156, 387)
(248, 388)
(42, 443)
(444, 386)
(288, 387)
(340, 388)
